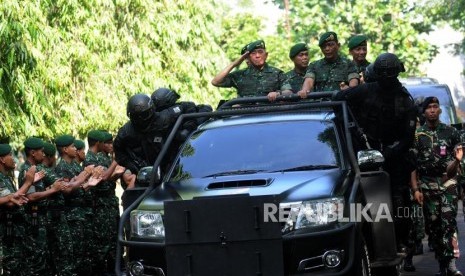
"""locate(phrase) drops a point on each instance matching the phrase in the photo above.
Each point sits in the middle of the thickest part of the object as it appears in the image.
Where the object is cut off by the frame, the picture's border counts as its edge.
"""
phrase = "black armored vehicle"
(265, 189)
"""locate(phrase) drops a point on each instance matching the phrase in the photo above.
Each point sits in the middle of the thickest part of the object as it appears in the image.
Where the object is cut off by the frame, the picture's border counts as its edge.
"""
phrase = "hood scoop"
(239, 184)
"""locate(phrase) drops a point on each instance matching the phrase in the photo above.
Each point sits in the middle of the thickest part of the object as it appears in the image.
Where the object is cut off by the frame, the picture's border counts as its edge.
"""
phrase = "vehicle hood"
(289, 186)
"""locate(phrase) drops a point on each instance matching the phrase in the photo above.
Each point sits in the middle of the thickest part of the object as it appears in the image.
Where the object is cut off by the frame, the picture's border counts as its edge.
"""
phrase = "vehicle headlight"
(311, 213)
(147, 224)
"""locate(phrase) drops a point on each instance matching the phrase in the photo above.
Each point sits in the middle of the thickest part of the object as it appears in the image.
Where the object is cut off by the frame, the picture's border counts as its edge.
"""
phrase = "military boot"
(452, 269)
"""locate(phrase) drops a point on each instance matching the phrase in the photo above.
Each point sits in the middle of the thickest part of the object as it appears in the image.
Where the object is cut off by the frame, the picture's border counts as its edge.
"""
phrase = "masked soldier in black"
(386, 113)
(165, 98)
(140, 140)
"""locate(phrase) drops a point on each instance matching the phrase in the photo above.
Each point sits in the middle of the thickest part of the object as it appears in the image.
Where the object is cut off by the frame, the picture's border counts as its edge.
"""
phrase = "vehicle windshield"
(253, 148)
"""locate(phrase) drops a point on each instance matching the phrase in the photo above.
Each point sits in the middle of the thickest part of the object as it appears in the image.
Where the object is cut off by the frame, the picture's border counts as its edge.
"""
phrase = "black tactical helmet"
(163, 98)
(369, 74)
(140, 109)
(388, 65)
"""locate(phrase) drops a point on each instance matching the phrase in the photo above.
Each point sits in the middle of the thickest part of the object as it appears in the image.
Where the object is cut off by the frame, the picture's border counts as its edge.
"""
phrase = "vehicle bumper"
(303, 254)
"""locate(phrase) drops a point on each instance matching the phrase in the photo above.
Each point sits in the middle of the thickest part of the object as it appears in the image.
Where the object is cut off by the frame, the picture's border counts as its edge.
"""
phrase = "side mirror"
(370, 160)
(145, 175)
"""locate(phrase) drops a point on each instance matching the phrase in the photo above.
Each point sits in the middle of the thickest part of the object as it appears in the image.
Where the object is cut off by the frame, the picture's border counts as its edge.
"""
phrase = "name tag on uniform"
(157, 139)
(176, 109)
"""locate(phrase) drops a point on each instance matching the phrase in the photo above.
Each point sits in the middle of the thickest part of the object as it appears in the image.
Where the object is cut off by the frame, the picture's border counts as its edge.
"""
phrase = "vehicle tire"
(362, 261)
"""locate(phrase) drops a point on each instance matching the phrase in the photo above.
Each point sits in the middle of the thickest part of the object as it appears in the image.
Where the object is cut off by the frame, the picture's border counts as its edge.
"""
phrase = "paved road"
(427, 265)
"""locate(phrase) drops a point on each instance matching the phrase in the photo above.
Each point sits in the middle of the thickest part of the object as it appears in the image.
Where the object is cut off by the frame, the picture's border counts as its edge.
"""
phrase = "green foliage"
(392, 26)
(68, 66)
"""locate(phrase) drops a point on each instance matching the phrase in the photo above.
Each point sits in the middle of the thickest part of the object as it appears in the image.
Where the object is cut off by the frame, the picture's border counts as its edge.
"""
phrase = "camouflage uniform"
(106, 216)
(461, 177)
(328, 75)
(78, 218)
(294, 81)
(362, 66)
(435, 151)
(17, 244)
(251, 82)
(36, 214)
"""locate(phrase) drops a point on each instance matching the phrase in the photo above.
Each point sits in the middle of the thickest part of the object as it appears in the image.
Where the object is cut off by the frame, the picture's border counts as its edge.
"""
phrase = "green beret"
(49, 149)
(79, 144)
(328, 36)
(428, 101)
(34, 143)
(96, 135)
(356, 41)
(296, 49)
(64, 140)
(4, 149)
(244, 49)
(256, 45)
(106, 136)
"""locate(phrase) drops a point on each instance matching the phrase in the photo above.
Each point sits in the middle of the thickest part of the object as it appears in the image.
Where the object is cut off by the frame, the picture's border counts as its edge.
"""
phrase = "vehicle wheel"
(362, 261)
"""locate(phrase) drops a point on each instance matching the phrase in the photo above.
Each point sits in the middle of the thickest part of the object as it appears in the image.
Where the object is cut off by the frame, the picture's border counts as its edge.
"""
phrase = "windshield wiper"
(308, 168)
(234, 173)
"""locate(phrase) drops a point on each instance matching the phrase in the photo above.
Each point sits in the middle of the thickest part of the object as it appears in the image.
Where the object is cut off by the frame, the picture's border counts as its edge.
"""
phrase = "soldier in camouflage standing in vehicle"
(258, 79)
(358, 50)
(295, 78)
(437, 166)
(332, 72)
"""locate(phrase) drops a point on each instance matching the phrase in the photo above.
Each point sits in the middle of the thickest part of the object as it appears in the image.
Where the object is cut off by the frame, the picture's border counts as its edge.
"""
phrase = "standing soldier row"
(60, 221)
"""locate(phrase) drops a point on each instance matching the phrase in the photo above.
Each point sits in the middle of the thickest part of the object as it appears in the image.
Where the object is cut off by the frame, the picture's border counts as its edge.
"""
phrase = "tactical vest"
(384, 113)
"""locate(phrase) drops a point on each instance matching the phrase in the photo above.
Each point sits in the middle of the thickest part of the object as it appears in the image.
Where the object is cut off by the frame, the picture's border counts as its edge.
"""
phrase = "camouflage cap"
(296, 49)
(34, 143)
(357, 40)
(259, 44)
(96, 135)
(5, 149)
(64, 140)
(328, 36)
(428, 101)
(49, 149)
(79, 144)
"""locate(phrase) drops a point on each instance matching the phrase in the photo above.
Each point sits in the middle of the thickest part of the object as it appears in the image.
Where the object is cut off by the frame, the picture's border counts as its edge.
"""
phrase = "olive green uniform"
(294, 81)
(328, 75)
(251, 82)
(435, 151)
(16, 242)
(79, 216)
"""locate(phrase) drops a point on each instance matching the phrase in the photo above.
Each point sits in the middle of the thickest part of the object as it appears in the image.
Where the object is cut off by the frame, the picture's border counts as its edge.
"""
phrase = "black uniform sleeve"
(408, 137)
(122, 150)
